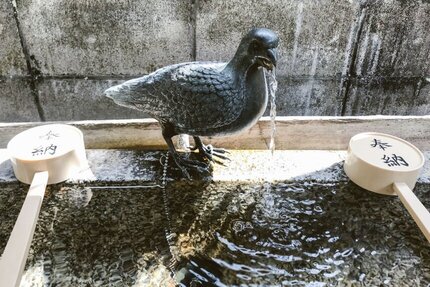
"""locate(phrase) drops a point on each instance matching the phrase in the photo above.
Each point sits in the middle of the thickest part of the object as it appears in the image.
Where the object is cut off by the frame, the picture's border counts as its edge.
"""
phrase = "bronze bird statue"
(205, 98)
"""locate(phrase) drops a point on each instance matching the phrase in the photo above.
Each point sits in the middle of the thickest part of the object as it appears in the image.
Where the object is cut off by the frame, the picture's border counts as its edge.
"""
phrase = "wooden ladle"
(388, 165)
(42, 155)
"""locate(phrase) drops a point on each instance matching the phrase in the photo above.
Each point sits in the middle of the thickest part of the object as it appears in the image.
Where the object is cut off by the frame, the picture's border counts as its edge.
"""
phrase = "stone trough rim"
(293, 133)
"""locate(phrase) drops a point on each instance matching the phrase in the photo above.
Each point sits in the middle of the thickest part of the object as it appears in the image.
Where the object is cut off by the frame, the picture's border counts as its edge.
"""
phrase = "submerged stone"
(232, 233)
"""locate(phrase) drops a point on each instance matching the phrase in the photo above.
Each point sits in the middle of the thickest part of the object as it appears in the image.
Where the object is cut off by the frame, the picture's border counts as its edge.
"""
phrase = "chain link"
(170, 236)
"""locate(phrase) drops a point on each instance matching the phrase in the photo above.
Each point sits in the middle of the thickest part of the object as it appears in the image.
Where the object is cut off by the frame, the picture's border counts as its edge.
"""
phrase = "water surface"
(226, 234)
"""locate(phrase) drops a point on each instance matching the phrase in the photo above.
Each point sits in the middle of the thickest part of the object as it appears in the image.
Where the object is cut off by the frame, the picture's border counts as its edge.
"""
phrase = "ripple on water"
(315, 235)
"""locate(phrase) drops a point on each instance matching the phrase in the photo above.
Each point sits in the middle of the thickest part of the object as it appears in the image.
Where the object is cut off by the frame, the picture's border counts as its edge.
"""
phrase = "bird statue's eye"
(255, 46)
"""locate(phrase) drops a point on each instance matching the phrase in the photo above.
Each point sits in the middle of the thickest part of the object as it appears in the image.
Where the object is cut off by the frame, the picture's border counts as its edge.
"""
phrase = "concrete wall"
(338, 57)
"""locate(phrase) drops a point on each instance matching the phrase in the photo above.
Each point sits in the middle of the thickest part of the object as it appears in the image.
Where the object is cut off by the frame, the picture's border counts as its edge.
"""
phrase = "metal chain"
(170, 236)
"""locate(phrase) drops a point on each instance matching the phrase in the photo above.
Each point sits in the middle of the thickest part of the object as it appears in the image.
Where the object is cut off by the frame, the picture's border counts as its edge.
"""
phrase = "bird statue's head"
(258, 47)
(262, 47)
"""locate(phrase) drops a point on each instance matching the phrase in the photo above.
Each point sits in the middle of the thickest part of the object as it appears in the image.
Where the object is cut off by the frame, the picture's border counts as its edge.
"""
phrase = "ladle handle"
(414, 206)
(14, 257)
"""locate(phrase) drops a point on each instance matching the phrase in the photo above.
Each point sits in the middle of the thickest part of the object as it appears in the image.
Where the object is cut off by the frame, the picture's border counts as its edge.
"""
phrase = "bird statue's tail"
(121, 95)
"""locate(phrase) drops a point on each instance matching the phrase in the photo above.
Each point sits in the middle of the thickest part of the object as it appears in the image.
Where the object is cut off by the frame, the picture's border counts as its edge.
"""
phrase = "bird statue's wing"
(192, 96)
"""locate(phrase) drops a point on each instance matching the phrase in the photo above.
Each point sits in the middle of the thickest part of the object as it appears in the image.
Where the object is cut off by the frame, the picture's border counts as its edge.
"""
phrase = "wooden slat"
(302, 133)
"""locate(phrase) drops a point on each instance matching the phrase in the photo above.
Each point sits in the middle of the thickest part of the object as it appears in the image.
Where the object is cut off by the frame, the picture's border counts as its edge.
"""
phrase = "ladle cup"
(42, 155)
(388, 165)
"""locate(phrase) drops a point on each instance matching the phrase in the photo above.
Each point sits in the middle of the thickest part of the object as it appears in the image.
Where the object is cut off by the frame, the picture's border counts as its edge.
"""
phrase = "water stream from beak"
(272, 87)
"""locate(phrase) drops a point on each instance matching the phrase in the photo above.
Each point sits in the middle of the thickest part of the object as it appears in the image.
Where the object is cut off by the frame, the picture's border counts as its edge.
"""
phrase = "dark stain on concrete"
(32, 69)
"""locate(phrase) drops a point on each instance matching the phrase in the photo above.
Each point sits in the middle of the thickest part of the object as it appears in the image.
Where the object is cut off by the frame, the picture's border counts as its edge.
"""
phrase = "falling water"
(273, 86)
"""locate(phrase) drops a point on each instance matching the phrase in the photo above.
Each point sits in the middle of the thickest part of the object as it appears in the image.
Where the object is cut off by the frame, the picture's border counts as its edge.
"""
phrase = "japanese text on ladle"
(43, 150)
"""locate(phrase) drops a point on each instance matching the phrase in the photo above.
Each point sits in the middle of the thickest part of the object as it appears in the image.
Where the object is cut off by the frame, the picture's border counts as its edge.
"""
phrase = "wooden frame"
(299, 133)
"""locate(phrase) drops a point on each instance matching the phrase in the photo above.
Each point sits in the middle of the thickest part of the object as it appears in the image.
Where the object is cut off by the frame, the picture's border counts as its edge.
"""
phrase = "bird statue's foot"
(209, 152)
(184, 163)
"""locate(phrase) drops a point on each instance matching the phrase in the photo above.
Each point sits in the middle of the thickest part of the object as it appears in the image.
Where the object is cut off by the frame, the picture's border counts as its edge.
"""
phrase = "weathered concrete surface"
(16, 101)
(12, 60)
(310, 45)
(69, 99)
(395, 40)
(105, 37)
(307, 96)
(381, 49)
(397, 96)
(422, 106)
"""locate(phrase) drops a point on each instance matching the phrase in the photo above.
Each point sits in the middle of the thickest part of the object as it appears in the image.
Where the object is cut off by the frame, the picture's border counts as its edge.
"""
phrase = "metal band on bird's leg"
(184, 142)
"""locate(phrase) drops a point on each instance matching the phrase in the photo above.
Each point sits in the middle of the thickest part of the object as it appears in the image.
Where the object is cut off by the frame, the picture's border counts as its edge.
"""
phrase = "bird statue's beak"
(269, 60)
(273, 56)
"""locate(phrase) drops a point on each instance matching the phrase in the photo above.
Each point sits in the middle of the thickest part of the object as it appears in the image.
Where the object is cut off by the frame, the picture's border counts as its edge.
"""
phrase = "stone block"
(80, 99)
(314, 34)
(307, 97)
(12, 61)
(16, 101)
(395, 40)
(388, 97)
(421, 101)
(106, 37)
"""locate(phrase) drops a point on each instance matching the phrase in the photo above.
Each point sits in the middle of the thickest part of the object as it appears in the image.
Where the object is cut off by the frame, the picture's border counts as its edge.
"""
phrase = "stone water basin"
(308, 226)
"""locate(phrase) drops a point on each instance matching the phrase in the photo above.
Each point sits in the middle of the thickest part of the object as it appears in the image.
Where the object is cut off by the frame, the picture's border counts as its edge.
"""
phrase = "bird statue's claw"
(184, 163)
(218, 150)
(210, 153)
